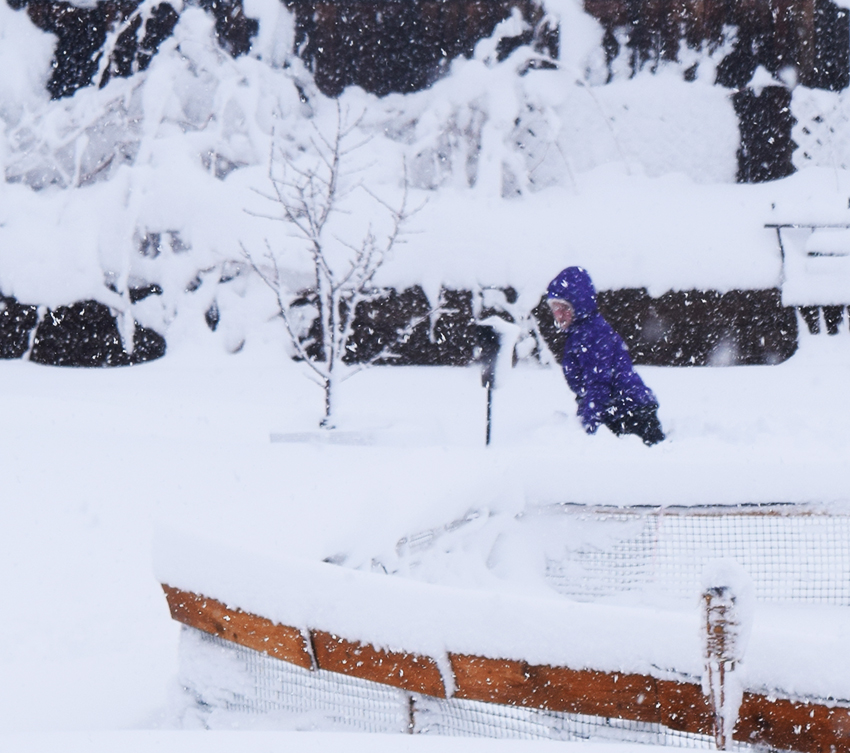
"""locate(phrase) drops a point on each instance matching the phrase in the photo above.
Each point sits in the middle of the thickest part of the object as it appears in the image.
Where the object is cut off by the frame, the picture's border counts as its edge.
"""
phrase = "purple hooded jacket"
(596, 361)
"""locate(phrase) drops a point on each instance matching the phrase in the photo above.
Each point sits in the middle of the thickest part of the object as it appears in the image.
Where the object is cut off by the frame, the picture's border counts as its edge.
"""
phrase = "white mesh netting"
(233, 686)
(792, 553)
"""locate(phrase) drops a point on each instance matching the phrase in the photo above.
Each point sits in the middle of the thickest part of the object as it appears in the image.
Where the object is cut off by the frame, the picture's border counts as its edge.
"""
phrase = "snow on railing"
(815, 263)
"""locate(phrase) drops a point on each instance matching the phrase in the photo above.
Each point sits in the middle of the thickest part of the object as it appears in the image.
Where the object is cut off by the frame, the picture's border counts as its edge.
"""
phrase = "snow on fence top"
(801, 651)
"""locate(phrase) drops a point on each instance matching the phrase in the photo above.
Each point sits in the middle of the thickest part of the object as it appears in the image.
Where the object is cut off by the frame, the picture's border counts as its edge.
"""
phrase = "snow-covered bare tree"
(321, 195)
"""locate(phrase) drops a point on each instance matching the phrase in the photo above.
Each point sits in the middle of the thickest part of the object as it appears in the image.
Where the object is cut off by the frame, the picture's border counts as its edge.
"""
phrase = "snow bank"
(817, 266)
(305, 742)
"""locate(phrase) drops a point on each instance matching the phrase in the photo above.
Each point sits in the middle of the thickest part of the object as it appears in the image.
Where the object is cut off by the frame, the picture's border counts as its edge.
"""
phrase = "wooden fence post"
(411, 714)
(722, 633)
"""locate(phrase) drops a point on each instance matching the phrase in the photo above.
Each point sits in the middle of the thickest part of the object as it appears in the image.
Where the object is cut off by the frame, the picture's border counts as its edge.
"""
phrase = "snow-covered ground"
(94, 460)
(523, 175)
(303, 742)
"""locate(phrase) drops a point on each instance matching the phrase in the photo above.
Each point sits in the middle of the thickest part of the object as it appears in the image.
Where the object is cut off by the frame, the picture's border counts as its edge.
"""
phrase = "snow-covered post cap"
(726, 598)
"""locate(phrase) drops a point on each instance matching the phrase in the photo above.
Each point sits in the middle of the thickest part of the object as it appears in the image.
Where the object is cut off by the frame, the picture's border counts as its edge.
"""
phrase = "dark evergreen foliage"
(127, 51)
(85, 334)
(401, 323)
(831, 65)
(81, 34)
(140, 293)
(811, 316)
(688, 328)
(387, 46)
(695, 327)
(832, 318)
(16, 323)
(766, 150)
(233, 28)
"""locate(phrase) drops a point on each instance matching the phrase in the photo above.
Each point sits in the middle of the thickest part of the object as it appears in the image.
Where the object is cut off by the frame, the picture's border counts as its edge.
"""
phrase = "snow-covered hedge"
(146, 182)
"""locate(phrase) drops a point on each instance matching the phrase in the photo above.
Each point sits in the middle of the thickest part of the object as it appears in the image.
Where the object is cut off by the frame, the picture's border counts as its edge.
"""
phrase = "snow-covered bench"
(815, 270)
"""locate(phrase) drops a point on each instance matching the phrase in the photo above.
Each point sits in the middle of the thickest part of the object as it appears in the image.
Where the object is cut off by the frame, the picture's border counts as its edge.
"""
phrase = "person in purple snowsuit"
(597, 365)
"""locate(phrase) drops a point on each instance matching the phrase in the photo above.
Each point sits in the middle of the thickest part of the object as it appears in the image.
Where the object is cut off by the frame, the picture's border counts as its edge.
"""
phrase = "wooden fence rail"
(764, 720)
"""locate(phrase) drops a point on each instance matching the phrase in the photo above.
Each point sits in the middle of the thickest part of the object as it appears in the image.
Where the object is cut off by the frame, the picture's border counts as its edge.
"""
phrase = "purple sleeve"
(629, 385)
(588, 367)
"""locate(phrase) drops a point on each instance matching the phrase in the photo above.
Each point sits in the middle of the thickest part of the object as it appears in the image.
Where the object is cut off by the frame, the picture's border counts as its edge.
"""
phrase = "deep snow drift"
(93, 460)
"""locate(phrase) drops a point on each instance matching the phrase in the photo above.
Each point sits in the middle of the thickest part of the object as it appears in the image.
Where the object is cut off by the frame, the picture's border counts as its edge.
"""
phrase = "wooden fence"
(764, 720)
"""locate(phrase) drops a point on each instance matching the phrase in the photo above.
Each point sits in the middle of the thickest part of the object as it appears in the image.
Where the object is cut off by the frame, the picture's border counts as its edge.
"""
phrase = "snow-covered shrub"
(155, 158)
(85, 334)
(168, 159)
(16, 324)
(97, 41)
(506, 127)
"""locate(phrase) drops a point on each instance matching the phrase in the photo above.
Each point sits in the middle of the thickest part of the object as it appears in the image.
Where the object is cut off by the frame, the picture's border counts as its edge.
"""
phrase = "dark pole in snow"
(487, 352)
(489, 411)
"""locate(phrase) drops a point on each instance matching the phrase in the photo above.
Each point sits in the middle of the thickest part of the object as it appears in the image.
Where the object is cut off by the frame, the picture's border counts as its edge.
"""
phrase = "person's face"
(563, 312)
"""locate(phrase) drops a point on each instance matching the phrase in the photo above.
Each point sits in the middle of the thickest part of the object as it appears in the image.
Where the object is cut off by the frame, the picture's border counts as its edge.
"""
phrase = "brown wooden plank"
(491, 680)
(608, 694)
(516, 683)
(258, 633)
(793, 725)
(418, 674)
(683, 707)
(778, 723)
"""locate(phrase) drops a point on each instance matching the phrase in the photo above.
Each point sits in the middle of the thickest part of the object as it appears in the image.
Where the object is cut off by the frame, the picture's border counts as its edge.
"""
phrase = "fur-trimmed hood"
(574, 285)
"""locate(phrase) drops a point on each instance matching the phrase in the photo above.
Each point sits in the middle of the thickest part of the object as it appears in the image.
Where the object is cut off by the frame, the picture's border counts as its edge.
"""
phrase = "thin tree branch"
(273, 284)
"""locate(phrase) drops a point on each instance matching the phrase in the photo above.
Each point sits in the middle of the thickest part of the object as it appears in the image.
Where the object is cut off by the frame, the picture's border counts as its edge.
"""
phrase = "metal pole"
(489, 410)
(487, 346)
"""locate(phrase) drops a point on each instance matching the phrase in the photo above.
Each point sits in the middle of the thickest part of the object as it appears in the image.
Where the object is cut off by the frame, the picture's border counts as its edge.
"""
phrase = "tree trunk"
(327, 421)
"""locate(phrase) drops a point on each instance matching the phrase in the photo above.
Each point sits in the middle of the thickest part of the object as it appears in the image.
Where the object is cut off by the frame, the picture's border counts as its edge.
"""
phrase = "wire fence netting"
(229, 680)
(791, 552)
(236, 686)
